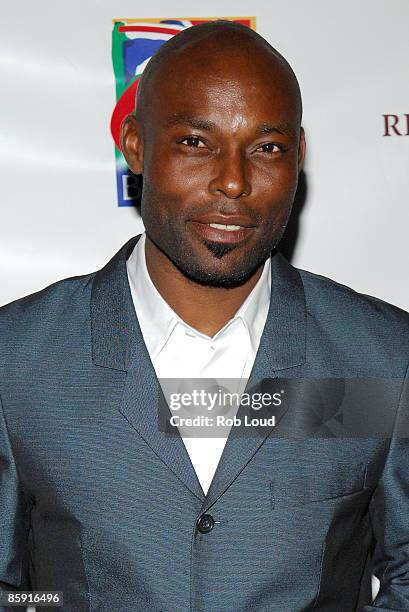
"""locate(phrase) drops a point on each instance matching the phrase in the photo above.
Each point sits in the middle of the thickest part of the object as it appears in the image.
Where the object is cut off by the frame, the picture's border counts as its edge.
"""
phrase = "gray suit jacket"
(97, 502)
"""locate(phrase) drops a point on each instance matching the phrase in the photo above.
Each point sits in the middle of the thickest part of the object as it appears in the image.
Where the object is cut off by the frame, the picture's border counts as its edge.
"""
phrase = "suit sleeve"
(14, 518)
(389, 512)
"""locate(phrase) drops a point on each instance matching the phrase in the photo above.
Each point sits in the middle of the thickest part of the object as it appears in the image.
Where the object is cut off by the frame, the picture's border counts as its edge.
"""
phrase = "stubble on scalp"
(223, 36)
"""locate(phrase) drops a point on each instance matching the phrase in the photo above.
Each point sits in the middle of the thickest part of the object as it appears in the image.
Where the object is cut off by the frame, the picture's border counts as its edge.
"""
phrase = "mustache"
(225, 208)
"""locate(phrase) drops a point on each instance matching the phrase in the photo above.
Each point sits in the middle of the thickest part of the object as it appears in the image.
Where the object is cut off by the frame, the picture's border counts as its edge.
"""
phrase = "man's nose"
(231, 175)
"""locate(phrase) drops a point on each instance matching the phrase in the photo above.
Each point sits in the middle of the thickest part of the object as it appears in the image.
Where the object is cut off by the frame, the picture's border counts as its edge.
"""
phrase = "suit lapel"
(117, 343)
(282, 346)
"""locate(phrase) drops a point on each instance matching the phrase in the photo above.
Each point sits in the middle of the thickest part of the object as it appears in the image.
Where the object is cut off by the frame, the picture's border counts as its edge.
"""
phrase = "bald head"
(216, 47)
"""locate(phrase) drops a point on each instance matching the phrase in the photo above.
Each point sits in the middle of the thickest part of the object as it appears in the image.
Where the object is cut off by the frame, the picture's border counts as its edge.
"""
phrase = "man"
(96, 500)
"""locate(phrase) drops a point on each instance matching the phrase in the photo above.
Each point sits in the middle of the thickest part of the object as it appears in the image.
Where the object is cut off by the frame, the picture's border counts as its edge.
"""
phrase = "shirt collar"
(157, 320)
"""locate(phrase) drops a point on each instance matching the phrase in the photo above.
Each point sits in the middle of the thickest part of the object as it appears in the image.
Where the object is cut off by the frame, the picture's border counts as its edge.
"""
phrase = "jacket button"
(205, 523)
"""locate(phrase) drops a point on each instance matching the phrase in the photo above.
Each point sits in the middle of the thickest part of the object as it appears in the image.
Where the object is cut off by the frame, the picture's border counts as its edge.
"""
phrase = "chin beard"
(229, 280)
(185, 261)
(219, 249)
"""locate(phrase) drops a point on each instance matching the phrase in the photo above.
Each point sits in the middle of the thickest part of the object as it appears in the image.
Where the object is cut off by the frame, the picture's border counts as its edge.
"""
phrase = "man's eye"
(269, 147)
(193, 141)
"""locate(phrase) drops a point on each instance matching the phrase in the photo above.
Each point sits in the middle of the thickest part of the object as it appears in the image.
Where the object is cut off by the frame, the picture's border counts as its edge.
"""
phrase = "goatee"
(218, 249)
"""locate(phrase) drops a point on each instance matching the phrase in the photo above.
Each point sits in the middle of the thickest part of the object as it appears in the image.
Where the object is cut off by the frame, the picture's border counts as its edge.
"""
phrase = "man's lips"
(230, 229)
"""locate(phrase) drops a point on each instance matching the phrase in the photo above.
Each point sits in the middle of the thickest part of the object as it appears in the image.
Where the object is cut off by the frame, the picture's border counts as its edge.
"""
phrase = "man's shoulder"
(324, 293)
(341, 309)
(44, 312)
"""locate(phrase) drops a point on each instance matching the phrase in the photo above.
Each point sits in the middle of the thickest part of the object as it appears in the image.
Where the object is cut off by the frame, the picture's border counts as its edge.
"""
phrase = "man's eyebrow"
(282, 128)
(194, 122)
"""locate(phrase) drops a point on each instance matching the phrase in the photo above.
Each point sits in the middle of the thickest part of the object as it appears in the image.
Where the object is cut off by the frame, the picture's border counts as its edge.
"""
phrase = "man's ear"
(131, 143)
(301, 149)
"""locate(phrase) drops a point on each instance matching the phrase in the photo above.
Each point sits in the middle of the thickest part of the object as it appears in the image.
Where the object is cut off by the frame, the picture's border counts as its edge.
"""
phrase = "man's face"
(221, 156)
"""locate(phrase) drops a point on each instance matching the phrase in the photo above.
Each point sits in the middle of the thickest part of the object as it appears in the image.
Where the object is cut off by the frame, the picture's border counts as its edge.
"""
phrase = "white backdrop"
(59, 211)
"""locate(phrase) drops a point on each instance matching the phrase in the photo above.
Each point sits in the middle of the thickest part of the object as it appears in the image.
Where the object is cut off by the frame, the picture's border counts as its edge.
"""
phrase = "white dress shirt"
(179, 351)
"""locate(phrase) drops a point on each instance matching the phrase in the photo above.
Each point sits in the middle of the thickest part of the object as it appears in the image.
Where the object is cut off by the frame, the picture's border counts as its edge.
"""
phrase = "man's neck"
(204, 308)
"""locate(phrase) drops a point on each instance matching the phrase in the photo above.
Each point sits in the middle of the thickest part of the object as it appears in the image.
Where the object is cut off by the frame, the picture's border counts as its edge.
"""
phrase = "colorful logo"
(134, 41)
